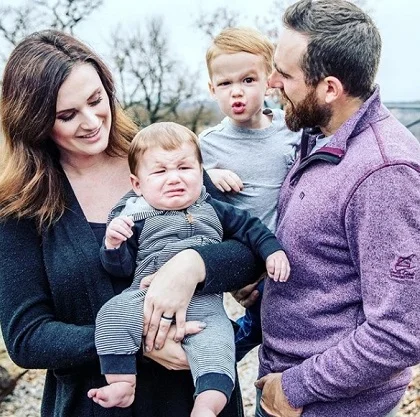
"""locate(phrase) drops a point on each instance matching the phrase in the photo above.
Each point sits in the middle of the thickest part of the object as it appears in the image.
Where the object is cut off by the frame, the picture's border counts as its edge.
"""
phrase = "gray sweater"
(260, 157)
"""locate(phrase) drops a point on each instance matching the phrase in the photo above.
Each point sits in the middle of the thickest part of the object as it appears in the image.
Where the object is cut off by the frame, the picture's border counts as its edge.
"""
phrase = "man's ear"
(135, 183)
(330, 89)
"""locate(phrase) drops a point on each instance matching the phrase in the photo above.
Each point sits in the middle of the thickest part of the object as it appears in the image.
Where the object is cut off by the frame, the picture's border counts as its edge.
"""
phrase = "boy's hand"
(118, 231)
(225, 180)
(278, 267)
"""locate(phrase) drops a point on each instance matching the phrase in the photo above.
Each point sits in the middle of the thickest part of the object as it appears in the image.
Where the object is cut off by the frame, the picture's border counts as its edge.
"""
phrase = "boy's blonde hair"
(166, 135)
(241, 39)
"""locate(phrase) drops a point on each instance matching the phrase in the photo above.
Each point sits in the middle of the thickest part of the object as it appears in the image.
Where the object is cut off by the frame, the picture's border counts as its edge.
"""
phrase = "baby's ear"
(135, 183)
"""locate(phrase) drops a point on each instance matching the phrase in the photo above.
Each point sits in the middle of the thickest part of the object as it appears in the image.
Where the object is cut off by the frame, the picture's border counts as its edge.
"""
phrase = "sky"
(398, 22)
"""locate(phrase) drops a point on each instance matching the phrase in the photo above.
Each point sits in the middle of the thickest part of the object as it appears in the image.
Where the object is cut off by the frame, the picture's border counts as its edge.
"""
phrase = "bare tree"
(18, 21)
(154, 85)
(211, 24)
(67, 14)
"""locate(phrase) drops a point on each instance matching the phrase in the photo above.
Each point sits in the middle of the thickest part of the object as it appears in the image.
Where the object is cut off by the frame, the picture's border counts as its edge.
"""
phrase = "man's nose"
(275, 81)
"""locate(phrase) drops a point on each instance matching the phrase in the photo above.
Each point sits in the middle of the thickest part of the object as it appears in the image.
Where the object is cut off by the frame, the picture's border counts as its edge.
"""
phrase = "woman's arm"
(33, 336)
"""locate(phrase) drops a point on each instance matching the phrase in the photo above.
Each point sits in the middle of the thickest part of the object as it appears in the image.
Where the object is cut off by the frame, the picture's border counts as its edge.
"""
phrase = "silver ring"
(166, 318)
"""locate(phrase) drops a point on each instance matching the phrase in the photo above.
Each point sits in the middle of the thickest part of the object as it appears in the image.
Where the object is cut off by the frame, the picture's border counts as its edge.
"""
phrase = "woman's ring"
(166, 318)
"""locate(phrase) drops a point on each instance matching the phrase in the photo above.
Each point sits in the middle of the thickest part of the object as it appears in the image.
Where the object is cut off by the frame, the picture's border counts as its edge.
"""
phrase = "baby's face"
(169, 179)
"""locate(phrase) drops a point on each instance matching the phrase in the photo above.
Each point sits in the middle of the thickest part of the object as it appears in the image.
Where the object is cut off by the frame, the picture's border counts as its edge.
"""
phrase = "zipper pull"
(189, 217)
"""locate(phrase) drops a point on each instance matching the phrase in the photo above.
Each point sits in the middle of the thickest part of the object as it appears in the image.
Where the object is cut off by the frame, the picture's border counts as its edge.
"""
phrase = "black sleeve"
(240, 225)
(33, 335)
(230, 265)
(121, 262)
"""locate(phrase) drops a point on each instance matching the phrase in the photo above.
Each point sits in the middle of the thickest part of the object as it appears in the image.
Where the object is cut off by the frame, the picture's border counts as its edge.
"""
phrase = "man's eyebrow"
(284, 74)
(276, 67)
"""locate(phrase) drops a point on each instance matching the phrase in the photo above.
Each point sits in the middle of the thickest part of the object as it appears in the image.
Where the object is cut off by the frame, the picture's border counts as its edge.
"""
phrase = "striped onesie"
(159, 235)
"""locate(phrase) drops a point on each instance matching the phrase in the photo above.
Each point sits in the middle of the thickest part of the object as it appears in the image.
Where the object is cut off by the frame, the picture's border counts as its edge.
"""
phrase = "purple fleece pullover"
(346, 326)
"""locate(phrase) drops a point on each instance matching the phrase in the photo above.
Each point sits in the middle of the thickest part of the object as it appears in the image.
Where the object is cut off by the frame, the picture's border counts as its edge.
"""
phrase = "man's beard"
(307, 113)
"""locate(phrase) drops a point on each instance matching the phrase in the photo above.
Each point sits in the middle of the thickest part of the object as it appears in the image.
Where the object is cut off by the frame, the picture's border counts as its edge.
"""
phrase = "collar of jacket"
(141, 210)
(370, 112)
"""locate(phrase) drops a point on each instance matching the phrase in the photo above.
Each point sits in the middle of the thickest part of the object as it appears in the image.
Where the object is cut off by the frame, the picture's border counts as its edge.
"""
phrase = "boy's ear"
(211, 89)
(135, 183)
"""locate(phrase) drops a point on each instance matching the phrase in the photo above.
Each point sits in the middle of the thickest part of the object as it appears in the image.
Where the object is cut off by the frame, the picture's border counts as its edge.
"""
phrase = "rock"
(9, 372)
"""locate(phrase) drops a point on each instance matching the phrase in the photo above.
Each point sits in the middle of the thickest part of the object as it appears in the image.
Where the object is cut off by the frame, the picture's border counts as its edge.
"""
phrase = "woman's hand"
(168, 297)
(172, 356)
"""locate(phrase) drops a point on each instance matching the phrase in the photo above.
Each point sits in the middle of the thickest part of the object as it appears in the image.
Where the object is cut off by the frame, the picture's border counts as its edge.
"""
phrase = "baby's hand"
(278, 267)
(225, 180)
(118, 231)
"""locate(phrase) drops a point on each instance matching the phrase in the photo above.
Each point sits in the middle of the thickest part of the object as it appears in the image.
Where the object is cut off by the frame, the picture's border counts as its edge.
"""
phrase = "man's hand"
(118, 231)
(247, 296)
(225, 180)
(273, 400)
(278, 267)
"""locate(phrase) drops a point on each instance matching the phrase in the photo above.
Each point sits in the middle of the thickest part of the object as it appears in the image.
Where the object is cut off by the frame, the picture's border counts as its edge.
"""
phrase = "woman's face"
(83, 116)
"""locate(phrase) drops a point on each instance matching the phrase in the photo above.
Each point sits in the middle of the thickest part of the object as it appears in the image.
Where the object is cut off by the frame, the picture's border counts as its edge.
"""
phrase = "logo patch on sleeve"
(404, 267)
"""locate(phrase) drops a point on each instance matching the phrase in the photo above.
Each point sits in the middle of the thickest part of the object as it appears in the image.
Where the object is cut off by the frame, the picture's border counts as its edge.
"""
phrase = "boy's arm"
(240, 225)
(121, 262)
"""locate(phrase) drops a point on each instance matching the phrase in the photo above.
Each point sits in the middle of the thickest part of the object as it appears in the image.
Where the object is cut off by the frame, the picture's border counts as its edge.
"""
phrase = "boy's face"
(169, 180)
(239, 84)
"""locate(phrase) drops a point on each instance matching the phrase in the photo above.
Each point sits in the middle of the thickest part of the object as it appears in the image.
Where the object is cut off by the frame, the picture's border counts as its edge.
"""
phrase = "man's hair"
(233, 40)
(343, 42)
(166, 135)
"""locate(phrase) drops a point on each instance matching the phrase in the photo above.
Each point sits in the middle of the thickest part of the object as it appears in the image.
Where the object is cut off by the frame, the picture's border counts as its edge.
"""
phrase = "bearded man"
(340, 335)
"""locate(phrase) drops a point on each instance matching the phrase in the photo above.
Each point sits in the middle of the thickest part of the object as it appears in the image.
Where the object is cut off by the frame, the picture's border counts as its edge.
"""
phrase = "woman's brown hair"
(31, 179)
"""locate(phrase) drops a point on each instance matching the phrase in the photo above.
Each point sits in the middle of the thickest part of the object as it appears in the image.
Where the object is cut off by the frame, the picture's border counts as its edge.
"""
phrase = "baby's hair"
(233, 40)
(166, 135)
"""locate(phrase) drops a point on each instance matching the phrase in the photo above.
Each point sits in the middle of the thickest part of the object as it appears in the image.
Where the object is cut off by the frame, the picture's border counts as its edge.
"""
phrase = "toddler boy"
(247, 155)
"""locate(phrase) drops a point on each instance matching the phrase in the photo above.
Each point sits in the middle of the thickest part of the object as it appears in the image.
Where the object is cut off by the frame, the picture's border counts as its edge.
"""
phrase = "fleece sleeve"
(33, 336)
(382, 222)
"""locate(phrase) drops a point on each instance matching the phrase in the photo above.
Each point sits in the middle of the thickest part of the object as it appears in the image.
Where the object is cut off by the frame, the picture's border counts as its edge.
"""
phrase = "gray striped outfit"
(158, 236)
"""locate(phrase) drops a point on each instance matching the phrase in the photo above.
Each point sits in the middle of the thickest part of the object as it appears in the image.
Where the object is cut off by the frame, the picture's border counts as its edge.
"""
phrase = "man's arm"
(382, 221)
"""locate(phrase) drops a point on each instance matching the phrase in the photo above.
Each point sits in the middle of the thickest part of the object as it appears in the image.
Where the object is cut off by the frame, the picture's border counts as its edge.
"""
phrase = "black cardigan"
(51, 288)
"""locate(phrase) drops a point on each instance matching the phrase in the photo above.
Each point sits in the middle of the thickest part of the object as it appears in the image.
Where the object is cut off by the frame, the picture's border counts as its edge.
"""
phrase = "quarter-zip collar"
(370, 112)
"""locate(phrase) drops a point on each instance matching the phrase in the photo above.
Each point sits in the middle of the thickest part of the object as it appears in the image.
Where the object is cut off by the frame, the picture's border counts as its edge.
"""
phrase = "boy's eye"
(248, 80)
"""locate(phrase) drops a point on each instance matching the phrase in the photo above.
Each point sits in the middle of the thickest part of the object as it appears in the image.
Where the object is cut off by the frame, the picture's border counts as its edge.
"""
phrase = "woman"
(63, 167)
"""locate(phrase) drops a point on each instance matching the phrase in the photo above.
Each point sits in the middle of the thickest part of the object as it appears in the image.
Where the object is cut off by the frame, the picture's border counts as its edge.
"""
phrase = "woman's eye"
(66, 117)
(95, 102)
